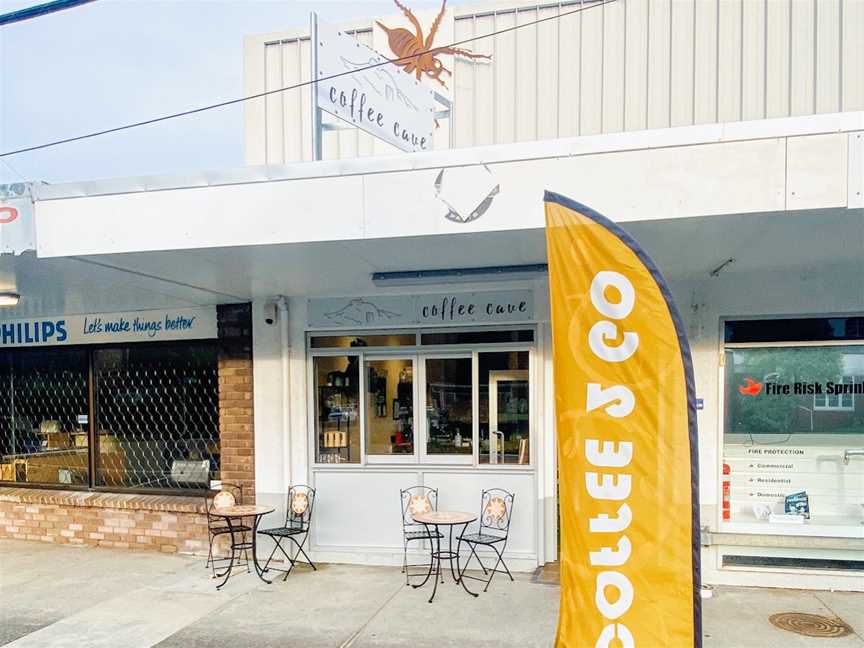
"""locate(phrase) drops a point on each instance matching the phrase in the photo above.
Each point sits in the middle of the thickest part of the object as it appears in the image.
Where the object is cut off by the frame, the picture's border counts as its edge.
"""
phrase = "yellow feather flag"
(627, 454)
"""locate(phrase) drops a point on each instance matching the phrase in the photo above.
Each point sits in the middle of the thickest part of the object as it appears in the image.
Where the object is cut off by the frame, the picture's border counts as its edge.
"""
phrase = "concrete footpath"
(54, 596)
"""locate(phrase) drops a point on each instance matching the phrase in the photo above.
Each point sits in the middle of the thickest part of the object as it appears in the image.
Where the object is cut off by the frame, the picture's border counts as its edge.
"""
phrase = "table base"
(437, 554)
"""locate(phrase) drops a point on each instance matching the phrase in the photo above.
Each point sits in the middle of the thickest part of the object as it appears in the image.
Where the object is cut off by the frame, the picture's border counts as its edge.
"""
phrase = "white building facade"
(727, 137)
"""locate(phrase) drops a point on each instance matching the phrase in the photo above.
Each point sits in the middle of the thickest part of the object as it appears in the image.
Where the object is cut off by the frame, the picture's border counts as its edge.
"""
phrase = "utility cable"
(231, 102)
(39, 10)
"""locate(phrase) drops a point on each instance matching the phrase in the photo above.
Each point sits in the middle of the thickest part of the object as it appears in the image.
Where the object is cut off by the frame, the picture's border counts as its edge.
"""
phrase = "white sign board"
(17, 228)
(440, 309)
(107, 328)
(384, 101)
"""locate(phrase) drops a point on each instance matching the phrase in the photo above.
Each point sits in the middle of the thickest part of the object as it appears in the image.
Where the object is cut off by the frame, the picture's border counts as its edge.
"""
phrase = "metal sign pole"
(316, 111)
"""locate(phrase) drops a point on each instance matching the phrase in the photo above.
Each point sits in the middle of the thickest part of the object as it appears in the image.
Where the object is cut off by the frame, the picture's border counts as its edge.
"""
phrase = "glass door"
(390, 422)
(508, 418)
(448, 408)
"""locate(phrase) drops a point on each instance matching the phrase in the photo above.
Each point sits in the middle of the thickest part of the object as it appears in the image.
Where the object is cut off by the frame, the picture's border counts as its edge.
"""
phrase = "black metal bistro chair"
(298, 517)
(230, 495)
(416, 499)
(496, 508)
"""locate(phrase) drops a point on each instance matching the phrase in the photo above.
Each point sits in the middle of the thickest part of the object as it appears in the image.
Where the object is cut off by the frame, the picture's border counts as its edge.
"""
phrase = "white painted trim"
(544, 149)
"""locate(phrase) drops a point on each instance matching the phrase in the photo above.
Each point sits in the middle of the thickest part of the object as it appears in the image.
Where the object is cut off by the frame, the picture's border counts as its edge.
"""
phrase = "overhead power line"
(39, 10)
(231, 102)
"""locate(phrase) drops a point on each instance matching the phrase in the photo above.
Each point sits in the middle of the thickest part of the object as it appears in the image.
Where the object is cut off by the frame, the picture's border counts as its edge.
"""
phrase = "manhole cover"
(810, 625)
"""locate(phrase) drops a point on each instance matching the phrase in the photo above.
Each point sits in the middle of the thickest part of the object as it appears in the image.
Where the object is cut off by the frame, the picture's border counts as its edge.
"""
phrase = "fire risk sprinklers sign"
(432, 310)
(384, 101)
(106, 328)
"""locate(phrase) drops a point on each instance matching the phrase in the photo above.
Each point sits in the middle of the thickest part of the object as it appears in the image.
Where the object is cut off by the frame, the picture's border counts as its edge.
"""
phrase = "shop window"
(390, 407)
(44, 417)
(449, 406)
(337, 408)
(157, 416)
(504, 407)
(379, 340)
(842, 400)
(789, 422)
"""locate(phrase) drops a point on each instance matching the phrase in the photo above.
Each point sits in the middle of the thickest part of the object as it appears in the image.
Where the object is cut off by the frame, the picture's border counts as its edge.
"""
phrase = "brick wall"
(168, 524)
(236, 435)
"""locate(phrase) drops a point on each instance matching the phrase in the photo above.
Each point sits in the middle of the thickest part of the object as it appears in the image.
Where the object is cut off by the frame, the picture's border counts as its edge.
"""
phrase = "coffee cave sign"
(456, 308)
(354, 105)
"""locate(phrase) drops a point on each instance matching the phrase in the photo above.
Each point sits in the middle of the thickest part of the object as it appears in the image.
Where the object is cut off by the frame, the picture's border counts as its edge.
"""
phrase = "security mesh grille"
(157, 416)
(43, 416)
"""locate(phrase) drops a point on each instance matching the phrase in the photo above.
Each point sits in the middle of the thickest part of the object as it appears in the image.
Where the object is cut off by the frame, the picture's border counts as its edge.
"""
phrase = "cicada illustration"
(406, 45)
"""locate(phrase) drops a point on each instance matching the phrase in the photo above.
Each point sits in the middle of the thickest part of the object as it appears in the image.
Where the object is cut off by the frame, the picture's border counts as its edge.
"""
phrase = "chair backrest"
(236, 493)
(496, 509)
(417, 499)
(298, 510)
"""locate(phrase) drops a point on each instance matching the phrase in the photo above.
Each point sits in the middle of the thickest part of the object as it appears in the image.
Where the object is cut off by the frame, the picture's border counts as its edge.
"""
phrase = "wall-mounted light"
(459, 275)
(9, 299)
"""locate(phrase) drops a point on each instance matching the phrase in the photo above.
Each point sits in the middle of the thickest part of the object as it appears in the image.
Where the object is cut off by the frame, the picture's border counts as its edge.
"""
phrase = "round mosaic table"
(234, 515)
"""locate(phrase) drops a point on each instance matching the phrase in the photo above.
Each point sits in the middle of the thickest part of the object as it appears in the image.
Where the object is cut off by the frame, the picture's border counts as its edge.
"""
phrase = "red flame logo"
(7, 215)
(751, 388)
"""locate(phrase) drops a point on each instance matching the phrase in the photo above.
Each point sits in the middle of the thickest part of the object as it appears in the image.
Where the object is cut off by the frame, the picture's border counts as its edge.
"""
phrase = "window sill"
(88, 499)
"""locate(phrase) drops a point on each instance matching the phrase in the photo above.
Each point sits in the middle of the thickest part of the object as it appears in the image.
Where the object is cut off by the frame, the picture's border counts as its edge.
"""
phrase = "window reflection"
(504, 409)
(390, 407)
(337, 397)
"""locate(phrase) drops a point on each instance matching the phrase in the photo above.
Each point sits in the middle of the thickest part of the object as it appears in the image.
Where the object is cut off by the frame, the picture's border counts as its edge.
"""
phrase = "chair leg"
(405, 559)
(495, 569)
(278, 546)
(301, 551)
(474, 555)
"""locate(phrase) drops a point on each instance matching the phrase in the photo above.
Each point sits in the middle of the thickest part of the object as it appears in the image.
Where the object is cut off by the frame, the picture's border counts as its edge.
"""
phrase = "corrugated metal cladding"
(627, 65)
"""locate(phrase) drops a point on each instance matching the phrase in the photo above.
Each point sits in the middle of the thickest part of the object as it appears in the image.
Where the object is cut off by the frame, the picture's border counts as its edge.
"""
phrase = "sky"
(111, 62)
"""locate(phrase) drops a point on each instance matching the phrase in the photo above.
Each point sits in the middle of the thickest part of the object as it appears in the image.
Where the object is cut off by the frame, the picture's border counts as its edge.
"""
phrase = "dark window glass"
(157, 416)
(477, 337)
(43, 417)
(448, 406)
(814, 329)
(345, 341)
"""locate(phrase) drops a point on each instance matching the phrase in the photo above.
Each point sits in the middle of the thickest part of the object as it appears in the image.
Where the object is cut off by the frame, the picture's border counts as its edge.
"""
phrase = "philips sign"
(135, 326)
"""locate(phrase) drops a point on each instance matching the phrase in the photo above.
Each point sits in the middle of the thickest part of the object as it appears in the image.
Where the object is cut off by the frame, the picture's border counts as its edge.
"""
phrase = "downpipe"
(285, 347)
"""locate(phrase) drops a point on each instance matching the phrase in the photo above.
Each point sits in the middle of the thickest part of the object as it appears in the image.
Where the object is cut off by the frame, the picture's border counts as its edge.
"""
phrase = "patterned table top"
(242, 510)
(444, 517)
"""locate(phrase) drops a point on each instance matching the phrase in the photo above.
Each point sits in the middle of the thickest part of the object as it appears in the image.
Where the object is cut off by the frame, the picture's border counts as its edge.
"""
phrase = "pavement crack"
(828, 607)
(350, 640)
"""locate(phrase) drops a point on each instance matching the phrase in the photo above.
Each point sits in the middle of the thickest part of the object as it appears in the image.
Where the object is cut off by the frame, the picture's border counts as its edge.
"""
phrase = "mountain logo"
(751, 388)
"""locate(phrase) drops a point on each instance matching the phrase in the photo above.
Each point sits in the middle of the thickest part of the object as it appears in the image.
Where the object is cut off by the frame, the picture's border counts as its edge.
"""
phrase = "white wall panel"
(753, 16)
(636, 66)
(527, 76)
(682, 62)
(570, 78)
(803, 30)
(828, 68)
(591, 77)
(630, 65)
(853, 55)
(729, 60)
(705, 57)
(275, 119)
(778, 60)
(504, 64)
(613, 67)
(659, 62)
(547, 71)
(359, 508)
